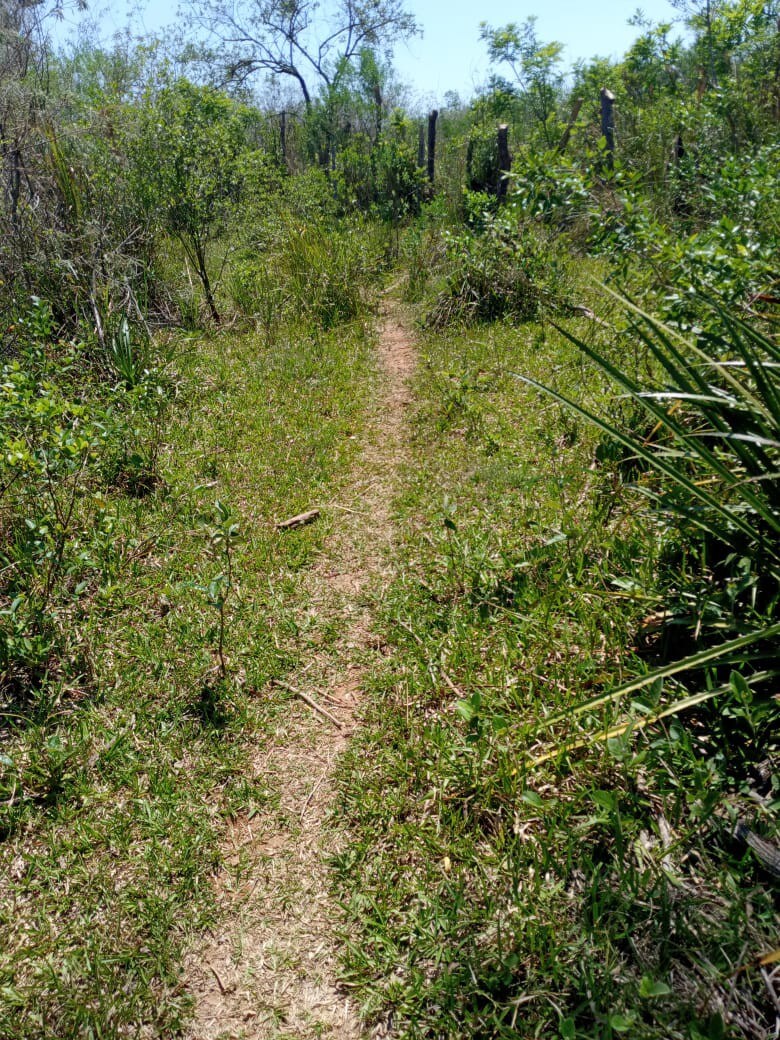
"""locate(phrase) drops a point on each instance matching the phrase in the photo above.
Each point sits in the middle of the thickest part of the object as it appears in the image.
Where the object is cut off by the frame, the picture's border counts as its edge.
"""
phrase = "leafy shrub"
(383, 178)
(400, 183)
(64, 440)
(483, 170)
(548, 187)
(505, 272)
(354, 176)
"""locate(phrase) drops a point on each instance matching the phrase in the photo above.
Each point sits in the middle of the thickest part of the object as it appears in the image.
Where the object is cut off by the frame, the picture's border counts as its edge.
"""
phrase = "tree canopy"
(299, 40)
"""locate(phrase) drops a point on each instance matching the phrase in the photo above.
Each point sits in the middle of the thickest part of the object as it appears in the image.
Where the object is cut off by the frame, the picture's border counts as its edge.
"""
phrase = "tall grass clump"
(705, 461)
(501, 270)
(308, 269)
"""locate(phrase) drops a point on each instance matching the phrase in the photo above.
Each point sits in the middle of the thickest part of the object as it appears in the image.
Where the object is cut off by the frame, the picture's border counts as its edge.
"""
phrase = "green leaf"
(621, 1023)
(605, 800)
(648, 987)
(739, 685)
(567, 1029)
(466, 709)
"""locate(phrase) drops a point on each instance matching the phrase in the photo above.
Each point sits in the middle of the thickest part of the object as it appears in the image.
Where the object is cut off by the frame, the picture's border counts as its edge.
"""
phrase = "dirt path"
(272, 971)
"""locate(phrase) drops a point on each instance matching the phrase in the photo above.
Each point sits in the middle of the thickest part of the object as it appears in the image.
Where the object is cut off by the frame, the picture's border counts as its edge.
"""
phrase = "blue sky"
(450, 55)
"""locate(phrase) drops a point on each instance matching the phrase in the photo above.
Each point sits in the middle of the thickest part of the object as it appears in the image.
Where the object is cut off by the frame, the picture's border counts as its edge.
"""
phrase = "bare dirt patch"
(271, 970)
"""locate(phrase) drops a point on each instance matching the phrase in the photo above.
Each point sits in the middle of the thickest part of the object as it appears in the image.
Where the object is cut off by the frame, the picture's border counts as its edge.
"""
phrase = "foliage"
(483, 170)
(62, 449)
(310, 270)
(548, 187)
(715, 417)
(534, 66)
(202, 134)
(276, 37)
(575, 723)
(382, 178)
(400, 183)
(503, 271)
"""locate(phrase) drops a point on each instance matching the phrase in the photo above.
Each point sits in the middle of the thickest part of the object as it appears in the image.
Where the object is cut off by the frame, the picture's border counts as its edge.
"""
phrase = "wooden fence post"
(504, 161)
(432, 144)
(379, 101)
(608, 124)
(283, 136)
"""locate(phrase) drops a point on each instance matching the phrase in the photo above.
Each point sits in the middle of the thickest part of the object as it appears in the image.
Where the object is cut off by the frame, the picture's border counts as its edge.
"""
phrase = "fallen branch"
(586, 312)
(224, 990)
(307, 700)
(298, 521)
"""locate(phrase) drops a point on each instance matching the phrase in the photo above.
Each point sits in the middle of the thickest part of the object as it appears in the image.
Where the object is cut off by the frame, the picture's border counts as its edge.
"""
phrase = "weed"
(503, 272)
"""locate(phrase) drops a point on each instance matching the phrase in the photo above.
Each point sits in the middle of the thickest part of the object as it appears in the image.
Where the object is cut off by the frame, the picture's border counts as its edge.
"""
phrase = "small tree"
(186, 165)
(534, 65)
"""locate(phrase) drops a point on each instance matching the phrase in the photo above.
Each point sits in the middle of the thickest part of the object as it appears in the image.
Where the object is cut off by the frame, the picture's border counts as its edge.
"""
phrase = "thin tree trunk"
(203, 274)
(283, 136)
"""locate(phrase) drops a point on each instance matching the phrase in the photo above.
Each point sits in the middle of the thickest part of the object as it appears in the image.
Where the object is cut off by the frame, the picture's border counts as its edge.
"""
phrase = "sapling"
(223, 536)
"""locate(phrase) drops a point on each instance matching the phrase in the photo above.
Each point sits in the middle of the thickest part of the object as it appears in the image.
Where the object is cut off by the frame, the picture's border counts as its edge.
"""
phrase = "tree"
(534, 65)
(720, 27)
(187, 166)
(284, 37)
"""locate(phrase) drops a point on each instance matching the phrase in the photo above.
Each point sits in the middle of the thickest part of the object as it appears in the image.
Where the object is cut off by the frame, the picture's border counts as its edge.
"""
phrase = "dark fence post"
(608, 124)
(283, 136)
(470, 166)
(379, 101)
(504, 161)
(432, 144)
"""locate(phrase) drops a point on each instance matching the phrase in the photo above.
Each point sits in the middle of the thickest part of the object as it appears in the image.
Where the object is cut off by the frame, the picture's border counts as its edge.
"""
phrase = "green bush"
(66, 440)
(505, 272)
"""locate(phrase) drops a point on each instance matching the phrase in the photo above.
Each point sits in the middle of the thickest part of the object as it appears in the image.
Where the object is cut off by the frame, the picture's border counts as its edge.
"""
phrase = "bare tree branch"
(281, 37)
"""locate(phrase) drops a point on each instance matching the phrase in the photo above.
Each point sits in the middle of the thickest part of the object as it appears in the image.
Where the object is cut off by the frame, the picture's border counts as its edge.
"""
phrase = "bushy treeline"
(112, 154)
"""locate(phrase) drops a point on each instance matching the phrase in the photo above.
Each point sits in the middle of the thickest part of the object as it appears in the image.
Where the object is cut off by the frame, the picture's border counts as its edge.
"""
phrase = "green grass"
(123, 780)
(597, 894)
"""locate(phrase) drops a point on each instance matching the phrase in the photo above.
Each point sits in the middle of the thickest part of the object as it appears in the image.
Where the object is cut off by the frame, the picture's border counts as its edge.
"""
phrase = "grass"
(599, 893)
(124, 780)
(537, 849)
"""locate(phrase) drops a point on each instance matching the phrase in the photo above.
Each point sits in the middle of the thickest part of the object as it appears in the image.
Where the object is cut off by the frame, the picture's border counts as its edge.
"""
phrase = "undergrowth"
(131, 680)
(505, 885)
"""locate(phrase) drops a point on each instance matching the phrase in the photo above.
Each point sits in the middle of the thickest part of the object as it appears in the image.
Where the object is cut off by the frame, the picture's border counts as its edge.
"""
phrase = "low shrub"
(507, 271)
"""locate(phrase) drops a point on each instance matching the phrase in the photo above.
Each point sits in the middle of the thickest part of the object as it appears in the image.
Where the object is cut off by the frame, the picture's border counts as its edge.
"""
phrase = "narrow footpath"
(271, 971)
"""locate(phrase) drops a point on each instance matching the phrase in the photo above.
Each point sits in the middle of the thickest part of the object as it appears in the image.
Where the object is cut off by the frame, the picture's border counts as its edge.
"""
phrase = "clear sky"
(450, 55)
